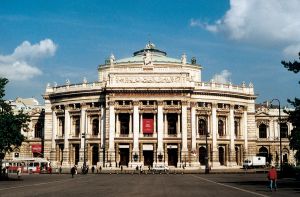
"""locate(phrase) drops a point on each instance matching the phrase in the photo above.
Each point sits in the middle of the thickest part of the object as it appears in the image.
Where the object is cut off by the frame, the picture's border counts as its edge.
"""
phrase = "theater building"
(151, 109)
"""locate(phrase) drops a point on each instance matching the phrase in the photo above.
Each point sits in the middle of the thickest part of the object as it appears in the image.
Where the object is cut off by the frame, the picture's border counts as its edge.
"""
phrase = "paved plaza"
(146, 185)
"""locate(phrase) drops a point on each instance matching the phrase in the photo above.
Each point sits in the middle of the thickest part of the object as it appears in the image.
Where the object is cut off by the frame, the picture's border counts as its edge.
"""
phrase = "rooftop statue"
(147, 58)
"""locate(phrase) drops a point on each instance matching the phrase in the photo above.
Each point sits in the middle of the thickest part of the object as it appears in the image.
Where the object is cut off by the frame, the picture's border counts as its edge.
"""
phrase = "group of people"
(84, 170)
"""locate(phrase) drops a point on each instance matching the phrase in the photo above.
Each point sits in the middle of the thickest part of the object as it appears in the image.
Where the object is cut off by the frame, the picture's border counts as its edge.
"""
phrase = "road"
(157, 185)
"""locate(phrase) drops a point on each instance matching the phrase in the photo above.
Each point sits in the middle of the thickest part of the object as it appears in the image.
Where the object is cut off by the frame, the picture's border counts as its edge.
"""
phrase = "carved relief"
(262, 121)
(149, 79)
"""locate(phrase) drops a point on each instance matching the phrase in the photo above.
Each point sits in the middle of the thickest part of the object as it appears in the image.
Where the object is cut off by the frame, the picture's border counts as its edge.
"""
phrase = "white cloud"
(223, 77)
(267, 22)
(292, 50)
(18, 65)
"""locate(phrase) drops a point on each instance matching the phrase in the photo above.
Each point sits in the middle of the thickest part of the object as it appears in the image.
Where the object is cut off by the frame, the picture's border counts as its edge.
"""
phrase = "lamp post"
(84, 159)
(206, 154)
(280, 145)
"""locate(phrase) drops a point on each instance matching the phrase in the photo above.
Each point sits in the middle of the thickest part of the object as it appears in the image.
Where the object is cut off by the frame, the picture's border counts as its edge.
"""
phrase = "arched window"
(38, 130)
(95, 127)
(202, 128)
(221, 128)
(283, 130)
(262, 131)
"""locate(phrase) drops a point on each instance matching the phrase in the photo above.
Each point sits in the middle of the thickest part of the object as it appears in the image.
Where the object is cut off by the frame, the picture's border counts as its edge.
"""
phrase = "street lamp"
(206, 154)
(280, 145)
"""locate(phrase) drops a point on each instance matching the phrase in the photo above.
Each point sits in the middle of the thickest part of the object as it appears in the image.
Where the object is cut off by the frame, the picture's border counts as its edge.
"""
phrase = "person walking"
(19, 172)
(272, 176)
(73, 171)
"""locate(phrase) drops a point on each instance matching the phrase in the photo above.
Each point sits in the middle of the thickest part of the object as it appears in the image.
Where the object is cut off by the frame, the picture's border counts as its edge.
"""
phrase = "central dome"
(151, 48)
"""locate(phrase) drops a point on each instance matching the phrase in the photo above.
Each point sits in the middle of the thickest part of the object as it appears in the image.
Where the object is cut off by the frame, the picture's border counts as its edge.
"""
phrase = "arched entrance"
(202, 154)
(263, 151)
(285, 153)
(95, 154)
(221, 156)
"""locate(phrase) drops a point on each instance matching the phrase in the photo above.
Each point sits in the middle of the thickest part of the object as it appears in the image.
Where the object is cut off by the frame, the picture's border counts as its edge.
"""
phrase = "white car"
(160, 168)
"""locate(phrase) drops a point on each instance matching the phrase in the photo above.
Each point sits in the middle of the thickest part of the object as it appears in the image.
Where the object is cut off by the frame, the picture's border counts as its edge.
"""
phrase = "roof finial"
(150, 45)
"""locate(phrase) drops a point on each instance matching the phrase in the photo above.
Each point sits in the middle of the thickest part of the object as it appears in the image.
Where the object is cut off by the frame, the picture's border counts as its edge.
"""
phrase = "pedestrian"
(75, 169)
(50, 170)
(72, 171)
(100, 169)
(93, 169)
(19, 172)
(60, 169)
(272, 176)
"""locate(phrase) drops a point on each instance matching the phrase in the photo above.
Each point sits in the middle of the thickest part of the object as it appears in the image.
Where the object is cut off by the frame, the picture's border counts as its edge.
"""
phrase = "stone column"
(83, 131)
(232, 161)
(136, 130)
(215, 153)
(112, 127)
(194, 161)
(184, 149)
(102, 137)
(160, 129)
(154, 124)
(178, 125)
(130, 125)
(117, 125)
(165, 125)
(136, 127)
(54, 133)
(193, 125)
(245, 127)
(141, 124)
(66, 163)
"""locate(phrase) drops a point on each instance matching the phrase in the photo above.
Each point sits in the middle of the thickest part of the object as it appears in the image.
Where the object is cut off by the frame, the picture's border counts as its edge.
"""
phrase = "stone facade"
(151, 109)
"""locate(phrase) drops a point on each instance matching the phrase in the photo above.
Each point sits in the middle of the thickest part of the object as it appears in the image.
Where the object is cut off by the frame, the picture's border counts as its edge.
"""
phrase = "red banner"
(36, 148)
(148, 125)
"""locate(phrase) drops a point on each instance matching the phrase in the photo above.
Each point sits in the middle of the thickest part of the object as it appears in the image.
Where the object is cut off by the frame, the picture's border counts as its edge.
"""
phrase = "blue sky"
(239, 40)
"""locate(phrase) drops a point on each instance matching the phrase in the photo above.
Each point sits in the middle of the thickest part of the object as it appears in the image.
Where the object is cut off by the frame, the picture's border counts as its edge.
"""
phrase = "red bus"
(28, 165)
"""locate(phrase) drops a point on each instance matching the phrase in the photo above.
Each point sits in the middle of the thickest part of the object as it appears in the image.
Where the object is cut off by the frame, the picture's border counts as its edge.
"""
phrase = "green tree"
(10, 125)
(294, 116)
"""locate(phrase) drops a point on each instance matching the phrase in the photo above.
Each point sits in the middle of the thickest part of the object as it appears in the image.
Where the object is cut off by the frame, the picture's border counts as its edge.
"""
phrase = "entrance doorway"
(95, 155)
(202, 154)
(221, 156)
(124, 156)
(172, 156)
(148, 157)
(76, 154)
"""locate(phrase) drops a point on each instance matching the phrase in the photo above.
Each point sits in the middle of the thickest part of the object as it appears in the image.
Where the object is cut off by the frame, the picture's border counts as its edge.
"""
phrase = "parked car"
(160, 169)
